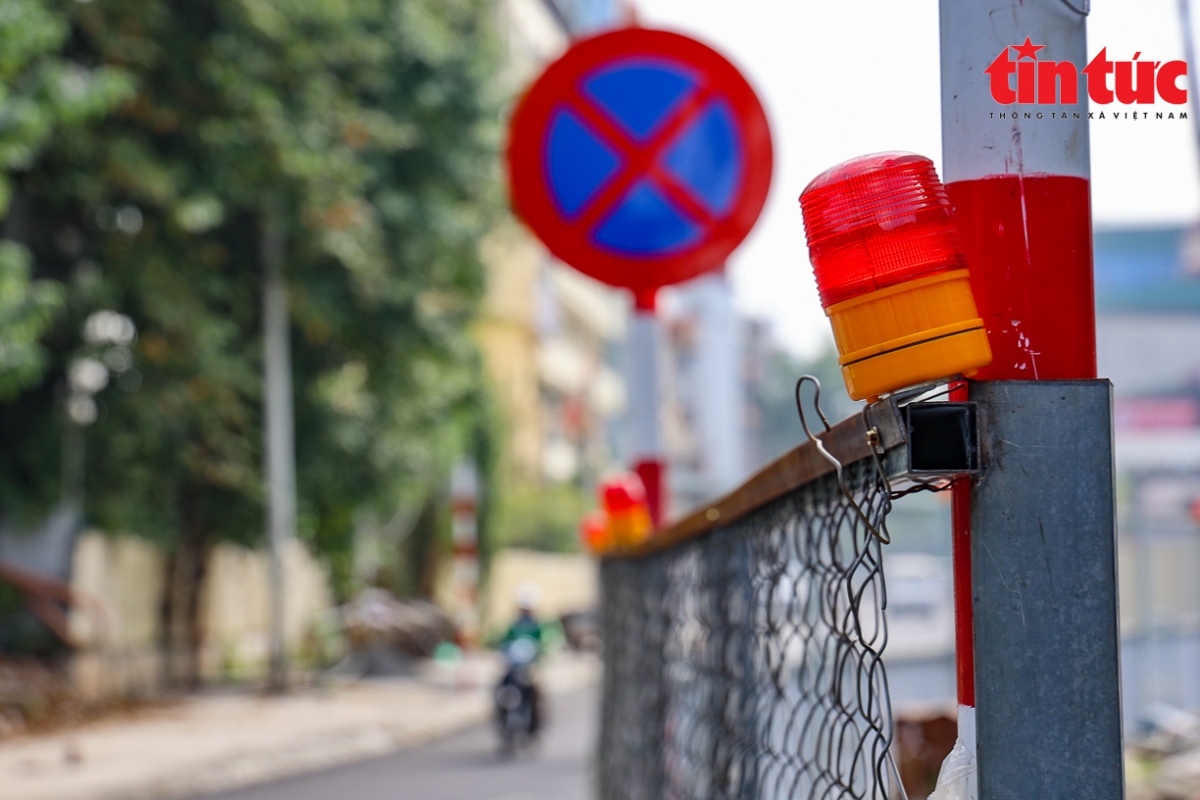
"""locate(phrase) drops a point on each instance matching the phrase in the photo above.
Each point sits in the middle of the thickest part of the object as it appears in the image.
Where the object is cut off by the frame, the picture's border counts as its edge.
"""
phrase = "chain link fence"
(746, 662)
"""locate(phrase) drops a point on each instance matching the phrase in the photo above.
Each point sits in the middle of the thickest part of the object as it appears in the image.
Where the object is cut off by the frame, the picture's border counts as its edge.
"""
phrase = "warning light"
(593, 532)
(891, 274)
(623, 497)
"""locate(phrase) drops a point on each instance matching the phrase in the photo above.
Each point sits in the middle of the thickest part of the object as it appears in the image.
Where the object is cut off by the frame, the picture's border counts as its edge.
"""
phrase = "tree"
(369, 127)
(40, 94)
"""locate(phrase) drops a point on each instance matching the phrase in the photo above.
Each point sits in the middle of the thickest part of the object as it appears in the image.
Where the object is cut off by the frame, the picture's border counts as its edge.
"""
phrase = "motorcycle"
(517, 698)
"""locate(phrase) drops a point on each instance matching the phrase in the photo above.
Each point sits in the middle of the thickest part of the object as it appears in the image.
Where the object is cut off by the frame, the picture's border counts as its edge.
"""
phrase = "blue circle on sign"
(645, 158)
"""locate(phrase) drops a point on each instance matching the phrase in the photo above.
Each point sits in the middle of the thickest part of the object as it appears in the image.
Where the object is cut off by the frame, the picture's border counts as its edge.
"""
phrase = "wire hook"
(817, 405)
(882, 536)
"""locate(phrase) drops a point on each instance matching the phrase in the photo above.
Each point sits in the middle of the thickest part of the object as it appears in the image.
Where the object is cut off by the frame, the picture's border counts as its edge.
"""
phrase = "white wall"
(121, 580)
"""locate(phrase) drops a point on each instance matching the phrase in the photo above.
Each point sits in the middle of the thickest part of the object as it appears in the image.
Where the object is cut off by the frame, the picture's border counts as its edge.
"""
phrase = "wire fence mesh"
(747, 663)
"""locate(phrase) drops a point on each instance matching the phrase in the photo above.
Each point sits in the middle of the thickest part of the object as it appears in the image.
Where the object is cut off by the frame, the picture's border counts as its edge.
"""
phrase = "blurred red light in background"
(593, 531)
(622, 492)
(623, 497)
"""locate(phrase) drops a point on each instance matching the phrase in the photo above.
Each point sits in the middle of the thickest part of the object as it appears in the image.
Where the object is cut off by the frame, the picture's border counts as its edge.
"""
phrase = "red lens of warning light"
(877, 221)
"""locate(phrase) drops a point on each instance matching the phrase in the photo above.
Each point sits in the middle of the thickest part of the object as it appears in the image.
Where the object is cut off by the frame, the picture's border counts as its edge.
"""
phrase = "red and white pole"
(464, 521)
(1020, 190)
(645, 403)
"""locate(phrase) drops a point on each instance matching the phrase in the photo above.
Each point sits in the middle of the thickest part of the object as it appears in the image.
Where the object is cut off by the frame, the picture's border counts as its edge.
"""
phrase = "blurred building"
(550, 336)
(705, 410)
(1148, 327)
(758, 347)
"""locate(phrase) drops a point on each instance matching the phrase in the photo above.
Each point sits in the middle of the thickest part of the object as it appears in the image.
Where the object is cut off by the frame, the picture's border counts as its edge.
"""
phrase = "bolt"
(873, 438)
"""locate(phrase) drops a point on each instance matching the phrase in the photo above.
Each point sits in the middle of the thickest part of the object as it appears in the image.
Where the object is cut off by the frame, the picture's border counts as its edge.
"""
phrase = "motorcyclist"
(526, 625)
(522, 645)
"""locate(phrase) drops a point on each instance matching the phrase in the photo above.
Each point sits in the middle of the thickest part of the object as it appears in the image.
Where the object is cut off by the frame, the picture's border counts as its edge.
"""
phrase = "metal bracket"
(943, 439)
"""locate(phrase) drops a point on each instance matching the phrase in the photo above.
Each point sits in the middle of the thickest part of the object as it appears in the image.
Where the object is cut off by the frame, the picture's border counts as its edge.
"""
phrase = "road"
(462, 767)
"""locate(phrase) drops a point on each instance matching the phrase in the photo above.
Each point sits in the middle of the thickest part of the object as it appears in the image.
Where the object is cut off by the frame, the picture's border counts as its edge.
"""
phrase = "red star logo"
(1027, 50)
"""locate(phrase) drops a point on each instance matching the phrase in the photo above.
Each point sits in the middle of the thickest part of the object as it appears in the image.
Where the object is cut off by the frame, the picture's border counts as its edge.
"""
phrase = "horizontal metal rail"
(878, 430)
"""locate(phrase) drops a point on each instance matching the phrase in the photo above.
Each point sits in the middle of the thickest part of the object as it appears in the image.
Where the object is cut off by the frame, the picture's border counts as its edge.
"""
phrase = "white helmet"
(528, 595)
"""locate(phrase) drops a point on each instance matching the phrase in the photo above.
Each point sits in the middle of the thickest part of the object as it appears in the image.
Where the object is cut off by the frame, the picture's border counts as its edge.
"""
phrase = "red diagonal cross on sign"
(639, 159)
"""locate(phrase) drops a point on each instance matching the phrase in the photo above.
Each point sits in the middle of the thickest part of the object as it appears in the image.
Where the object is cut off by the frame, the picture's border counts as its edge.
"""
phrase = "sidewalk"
(211, 743)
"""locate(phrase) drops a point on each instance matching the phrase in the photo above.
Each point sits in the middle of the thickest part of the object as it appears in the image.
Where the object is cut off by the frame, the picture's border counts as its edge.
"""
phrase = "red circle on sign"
(640, 159)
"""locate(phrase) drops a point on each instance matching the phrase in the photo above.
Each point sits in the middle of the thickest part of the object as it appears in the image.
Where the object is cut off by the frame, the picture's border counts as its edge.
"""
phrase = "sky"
(825, 71)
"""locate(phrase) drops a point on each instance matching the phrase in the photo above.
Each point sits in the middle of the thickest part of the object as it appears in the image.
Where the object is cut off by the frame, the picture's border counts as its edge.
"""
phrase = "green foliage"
(41, 93)
(370, 130)
(26, 310)
(543, 517)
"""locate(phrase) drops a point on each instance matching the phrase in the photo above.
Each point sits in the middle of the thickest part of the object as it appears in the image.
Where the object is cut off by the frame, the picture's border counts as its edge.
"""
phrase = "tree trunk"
(183, 628)
(424, 547)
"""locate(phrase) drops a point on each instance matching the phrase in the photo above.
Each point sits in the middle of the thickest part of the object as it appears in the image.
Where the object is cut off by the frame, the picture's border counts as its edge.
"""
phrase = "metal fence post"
(1043, 544)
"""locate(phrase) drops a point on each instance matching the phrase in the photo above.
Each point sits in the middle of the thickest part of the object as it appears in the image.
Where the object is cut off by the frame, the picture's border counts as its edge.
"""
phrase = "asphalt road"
(462, 767)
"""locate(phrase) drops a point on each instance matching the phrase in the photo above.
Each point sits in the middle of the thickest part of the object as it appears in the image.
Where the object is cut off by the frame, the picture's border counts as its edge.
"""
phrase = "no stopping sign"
(641, 158)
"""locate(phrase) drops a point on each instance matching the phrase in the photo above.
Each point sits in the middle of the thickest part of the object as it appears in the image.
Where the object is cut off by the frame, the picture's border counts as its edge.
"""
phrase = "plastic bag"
(956, 781)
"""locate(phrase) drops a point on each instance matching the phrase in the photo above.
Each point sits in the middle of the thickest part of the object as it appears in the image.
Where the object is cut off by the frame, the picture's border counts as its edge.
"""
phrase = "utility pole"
(1035, 536)
(280, 433)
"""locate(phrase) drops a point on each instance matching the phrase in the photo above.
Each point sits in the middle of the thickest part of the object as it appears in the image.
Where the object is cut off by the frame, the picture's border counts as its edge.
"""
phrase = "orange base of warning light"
(909, 334)
(911, 366)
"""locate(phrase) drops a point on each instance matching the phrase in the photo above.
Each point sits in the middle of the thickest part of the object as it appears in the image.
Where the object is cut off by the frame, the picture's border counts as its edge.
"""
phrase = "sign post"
(641, 158)
(645, 402)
